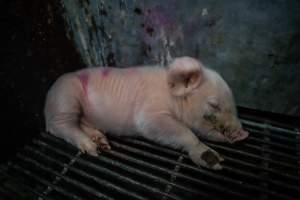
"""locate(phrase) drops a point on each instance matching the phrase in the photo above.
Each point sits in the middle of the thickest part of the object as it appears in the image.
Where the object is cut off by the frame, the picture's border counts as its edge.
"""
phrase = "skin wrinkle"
(120, 89)
(131, 71)
(183, 109)
(187, 110)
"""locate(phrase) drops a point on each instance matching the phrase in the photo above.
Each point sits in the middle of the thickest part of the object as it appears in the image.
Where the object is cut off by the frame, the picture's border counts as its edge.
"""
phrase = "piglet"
(173, 106)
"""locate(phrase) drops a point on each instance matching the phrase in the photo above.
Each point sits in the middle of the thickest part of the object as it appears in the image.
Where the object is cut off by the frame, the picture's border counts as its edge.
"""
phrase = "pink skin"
(105, 72)
(83, 77)
(230, 137)
(237, 136)
(131, 70)
(161, 104)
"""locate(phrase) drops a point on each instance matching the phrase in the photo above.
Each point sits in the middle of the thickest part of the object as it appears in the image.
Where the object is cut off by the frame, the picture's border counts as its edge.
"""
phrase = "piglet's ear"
(184, 75)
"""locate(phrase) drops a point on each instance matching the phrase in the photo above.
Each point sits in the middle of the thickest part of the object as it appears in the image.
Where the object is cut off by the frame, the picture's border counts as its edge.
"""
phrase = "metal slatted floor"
(265, 166)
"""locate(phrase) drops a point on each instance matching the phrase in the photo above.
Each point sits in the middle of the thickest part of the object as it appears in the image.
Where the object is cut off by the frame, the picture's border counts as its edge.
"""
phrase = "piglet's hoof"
(206, 158)
(88, 146)
(102, 143)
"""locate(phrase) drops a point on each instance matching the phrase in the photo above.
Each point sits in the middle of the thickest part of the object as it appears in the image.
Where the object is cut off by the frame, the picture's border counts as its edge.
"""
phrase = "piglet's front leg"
(167, 131)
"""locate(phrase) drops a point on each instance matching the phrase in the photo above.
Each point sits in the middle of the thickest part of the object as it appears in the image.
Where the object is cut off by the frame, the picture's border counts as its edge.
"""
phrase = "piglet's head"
(204, 101)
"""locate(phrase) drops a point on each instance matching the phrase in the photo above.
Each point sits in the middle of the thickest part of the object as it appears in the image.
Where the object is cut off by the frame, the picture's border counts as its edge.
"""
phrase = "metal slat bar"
(104, 170)
(178, 175)
(38, 142)
(107, 184)
(154, 167)
(197, 169)
(147, 144)
(128, 180)
(163, 170)
(157, 149)
(149, 155)
(238, 161)
(172, 178)
(129, 169)
(228, 158)
(231, 159)
(63, 171)
(283, 155)
(145, 174)
(44, 182)
(5, 173)
(57, 141)
(264, 174)
(275, 136)
(65, 178)
(82, 173)
(232, 169)
(278, 183)
(275, 144)
(236, 151)
(253, 166)
(132, 141)
(268, 126)
(11, 192)
(176, 153)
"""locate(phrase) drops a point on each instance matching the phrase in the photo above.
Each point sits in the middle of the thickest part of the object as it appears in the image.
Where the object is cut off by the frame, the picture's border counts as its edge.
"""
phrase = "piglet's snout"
(242, 134)
(237, 135)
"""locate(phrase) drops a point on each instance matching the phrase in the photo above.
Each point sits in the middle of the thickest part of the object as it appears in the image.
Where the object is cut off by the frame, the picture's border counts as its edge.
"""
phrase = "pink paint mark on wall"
(157, 20)
(84, 78)
(105, 72)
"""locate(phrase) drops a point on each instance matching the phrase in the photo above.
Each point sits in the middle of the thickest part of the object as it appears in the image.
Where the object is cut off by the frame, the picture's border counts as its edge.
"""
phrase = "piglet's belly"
(110, 118)
(111, 124)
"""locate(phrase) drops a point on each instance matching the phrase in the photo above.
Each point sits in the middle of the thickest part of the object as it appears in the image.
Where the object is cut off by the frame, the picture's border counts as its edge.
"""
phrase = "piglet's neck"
(181, 108)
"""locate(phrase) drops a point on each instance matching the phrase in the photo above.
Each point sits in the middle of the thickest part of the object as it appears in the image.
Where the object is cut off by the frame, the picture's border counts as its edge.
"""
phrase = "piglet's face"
(220, 121)
(207, 104)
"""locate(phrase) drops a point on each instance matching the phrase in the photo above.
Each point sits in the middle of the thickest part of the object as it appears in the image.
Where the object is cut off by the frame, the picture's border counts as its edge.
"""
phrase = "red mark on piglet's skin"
(83, 77)
(105, 72)
(131, 70)
(84, 80)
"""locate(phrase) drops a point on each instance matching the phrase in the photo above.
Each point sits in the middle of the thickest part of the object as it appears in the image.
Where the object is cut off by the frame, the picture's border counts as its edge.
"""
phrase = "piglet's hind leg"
(95, 135)
(62, 111)
(71, 133)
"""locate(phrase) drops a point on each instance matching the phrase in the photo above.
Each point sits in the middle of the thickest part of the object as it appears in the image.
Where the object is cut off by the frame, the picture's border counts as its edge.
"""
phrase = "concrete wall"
(254, 45)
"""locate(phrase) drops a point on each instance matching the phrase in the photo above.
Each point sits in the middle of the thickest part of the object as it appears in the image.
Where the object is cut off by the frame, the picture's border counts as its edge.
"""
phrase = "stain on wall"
(254, 45)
